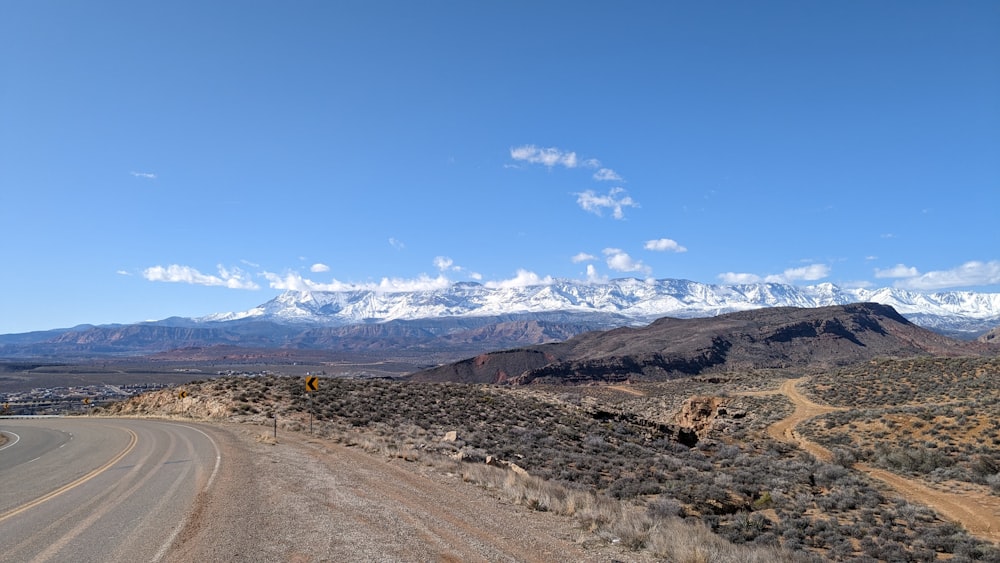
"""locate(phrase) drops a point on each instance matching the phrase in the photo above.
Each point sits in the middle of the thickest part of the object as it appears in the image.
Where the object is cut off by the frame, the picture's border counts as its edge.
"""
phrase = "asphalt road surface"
(74, 489)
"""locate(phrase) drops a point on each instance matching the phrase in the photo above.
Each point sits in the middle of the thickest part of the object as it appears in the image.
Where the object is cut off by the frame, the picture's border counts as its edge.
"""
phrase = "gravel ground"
(305, 499)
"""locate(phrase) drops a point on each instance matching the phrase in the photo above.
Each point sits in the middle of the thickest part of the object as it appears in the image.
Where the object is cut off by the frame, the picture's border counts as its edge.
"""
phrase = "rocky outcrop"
(705, 414)
(168, 402)
(991, 337)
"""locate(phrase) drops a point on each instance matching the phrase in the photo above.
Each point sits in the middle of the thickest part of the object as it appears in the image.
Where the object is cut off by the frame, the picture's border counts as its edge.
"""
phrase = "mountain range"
(634, 300)
(472, 317)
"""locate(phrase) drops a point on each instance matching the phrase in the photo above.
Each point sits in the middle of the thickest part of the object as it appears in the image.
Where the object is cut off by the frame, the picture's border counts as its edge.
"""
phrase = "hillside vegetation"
(633, 463)
(669, 348)
(935, 418)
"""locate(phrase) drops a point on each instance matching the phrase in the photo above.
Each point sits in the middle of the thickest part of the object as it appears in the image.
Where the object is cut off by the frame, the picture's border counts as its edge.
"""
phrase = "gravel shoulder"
(304, 499)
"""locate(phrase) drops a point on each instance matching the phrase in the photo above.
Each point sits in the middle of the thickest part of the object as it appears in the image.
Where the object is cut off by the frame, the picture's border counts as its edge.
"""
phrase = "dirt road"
(805, 409)
(979, 513)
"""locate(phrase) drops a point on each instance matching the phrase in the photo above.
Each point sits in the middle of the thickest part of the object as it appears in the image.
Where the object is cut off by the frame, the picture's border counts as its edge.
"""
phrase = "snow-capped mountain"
(639, 301)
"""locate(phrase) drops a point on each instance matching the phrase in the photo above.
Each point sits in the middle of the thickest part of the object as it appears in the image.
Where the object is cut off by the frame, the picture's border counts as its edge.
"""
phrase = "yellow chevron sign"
(312, 383)
(182, 394)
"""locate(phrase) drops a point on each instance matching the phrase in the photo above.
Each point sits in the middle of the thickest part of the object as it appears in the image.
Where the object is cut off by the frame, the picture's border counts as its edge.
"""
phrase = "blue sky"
(186, 158)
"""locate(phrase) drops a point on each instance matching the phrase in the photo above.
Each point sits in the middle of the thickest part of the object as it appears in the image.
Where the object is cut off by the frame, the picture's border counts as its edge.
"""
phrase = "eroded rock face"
(697, 413)
(702, 414)
(168, 403)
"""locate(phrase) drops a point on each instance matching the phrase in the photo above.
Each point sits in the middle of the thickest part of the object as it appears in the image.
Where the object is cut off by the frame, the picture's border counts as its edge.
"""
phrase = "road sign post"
(312, 384)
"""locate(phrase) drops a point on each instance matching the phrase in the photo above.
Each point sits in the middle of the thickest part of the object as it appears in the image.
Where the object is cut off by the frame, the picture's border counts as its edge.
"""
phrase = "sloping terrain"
(774, 338)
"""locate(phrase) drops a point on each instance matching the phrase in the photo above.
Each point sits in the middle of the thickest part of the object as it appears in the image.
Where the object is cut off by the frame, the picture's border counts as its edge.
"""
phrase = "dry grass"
(266, 439)
(672, 538)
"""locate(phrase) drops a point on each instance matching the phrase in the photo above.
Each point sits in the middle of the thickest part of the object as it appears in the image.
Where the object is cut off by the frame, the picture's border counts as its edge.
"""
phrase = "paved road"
(75, 489)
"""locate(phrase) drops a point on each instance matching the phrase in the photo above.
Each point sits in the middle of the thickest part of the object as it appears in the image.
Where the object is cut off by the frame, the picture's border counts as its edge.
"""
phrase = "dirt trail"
(978, 513)
(805, 409)
(628, 390)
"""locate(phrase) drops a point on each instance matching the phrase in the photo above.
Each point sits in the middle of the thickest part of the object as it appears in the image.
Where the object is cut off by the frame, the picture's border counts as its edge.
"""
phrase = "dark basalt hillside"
(781, 337)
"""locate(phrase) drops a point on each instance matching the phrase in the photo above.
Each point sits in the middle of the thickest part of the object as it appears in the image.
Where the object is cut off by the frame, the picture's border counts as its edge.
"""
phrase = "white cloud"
(146, 175)
(664, 245)
(318, 268)
(420, 283)
(738, 278)
(969, 274)
(811, 272)
(607, 175)
(397, 244)
(897, 271)
(233, 279)
(548, 156)
(583, 257)
(620, 261)
(293, 281)
(123, 273)
(524, 278)
(593, 276)
(615, 200)
(444, 263)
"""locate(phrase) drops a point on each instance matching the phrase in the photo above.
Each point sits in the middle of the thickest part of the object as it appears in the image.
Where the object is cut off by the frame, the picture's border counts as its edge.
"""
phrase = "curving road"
(75, 489)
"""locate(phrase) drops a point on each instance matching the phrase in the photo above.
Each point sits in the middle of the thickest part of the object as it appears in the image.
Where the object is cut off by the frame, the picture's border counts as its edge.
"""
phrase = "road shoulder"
(308, 499)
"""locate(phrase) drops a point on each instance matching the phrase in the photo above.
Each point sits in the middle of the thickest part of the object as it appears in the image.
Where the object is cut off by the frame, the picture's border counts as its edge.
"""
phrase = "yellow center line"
(78, 482)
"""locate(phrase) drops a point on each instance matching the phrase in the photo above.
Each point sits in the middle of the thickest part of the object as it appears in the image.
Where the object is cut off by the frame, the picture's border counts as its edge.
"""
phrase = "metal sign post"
(312, 384)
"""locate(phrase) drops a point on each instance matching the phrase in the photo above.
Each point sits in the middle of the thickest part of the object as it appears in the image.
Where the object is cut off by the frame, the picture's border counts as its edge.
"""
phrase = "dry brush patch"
(736, 495)
(935, 418)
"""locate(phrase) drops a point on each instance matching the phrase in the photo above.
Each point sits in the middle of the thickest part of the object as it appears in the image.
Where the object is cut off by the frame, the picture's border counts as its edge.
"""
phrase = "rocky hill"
(780, 337)
(992, 336)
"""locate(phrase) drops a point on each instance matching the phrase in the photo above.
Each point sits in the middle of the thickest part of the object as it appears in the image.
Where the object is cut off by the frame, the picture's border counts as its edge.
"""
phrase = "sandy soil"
(978, 512)
(304, 499)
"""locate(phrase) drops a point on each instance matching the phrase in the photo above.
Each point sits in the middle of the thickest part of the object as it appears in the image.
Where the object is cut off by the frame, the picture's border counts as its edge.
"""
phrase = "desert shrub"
(994, 482)
(665, 507)
(626, 480)
(913, 459)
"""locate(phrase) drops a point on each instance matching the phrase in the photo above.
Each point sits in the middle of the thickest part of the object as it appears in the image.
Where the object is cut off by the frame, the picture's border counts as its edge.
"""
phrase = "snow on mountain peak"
(640, 300)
